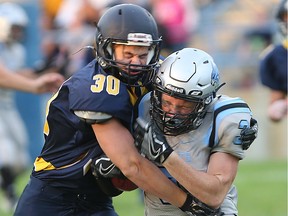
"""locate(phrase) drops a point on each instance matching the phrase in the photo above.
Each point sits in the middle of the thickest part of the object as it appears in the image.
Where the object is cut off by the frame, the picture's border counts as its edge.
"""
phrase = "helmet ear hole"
(99, 39)
(208, 100)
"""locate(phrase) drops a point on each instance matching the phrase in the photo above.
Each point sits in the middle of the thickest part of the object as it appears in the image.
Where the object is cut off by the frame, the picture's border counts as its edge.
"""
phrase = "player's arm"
(278, 104)
(44, 83)
(277, 95)
(118, 144)
(211, 187)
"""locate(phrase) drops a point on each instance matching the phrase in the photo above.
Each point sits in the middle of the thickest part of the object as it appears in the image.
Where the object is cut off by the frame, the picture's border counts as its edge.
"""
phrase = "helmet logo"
(214, 77)
(195, 92)
(175, 89)
(140, 39)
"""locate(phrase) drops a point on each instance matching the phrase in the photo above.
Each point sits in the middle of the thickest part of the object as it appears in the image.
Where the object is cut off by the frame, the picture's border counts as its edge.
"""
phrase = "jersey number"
(112, 84)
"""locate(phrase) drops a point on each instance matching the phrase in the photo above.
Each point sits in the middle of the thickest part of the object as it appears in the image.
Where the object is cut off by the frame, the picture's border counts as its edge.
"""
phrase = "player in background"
(13, 22)
(90, 115)
(273, 68)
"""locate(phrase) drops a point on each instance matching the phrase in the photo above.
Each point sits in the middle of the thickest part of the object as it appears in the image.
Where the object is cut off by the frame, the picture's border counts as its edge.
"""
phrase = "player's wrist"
(186, 205)
(169, 160)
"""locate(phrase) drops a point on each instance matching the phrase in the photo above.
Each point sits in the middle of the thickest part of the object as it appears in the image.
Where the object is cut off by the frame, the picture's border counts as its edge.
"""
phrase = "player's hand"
(193, 206)
(49, 82)
(249, 134)
(104, 170)
(150, 141)
(278, 110)
(103, 167)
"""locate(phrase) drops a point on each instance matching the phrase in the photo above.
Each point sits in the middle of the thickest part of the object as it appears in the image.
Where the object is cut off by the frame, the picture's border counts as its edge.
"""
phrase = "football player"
(273, 68)
(91, 115)
(13, 22)
(203, 130)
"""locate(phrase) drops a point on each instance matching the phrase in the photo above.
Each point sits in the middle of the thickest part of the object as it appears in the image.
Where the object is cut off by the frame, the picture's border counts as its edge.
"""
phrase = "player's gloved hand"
(150, 141)
(193, 206)
(249, 134)
(103, 167)
(104, 170)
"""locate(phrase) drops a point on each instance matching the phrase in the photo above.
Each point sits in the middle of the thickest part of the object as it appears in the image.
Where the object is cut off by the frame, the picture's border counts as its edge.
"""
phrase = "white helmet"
(5, 29)
(17, 19)
(14, 13)
(189, 74)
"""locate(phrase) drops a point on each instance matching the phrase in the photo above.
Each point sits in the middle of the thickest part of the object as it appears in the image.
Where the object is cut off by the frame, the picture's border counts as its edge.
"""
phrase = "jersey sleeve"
(229, 134)
(273, 69)
(229, 124)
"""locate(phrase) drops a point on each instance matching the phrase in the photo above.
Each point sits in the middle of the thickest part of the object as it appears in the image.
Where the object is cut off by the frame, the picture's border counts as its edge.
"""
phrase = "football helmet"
(282, 17)
(17, 18)
(127, 24)
(191, 75)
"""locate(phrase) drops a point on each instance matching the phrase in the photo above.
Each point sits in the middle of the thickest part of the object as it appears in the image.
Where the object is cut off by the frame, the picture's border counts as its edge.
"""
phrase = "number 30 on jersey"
(112, 84)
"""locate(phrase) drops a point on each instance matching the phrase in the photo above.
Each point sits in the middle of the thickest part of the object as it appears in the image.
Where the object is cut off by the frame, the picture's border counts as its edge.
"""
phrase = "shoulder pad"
(93, 117)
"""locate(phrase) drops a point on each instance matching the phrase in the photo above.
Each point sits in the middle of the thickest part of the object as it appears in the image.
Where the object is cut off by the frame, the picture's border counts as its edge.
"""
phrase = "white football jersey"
(219, 132)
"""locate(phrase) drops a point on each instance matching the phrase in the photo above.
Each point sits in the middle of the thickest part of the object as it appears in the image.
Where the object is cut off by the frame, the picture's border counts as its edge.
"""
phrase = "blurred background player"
(14, 156)
(273, 68)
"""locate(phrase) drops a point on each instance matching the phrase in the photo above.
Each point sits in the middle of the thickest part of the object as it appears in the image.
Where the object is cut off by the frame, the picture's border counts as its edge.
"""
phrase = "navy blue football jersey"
(273, 69)
(70, 143)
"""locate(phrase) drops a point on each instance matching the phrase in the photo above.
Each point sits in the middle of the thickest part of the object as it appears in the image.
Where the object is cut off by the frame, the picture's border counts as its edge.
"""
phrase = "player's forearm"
(148, 177)
(118, 144)
(11, 80)
(153, 181)
(277, 95)
(206, 187)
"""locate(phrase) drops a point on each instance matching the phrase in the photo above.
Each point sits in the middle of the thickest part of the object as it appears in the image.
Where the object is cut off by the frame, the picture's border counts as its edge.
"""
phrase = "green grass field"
(262, 188)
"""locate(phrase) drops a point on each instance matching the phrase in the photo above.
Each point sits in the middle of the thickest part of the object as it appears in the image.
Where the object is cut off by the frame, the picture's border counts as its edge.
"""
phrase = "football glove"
(195, 207)
(249, 134)
(102, 166)
(104, 170)
(150, 141)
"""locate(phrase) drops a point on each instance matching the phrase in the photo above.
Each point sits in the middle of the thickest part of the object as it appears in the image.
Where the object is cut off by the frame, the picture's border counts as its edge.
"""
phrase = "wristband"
(193, 206)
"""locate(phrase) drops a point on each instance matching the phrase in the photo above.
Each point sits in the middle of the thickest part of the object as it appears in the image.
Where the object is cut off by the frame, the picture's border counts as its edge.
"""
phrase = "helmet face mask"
(133, 77)
(190, 75)
(173, 124)
(129, 25)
